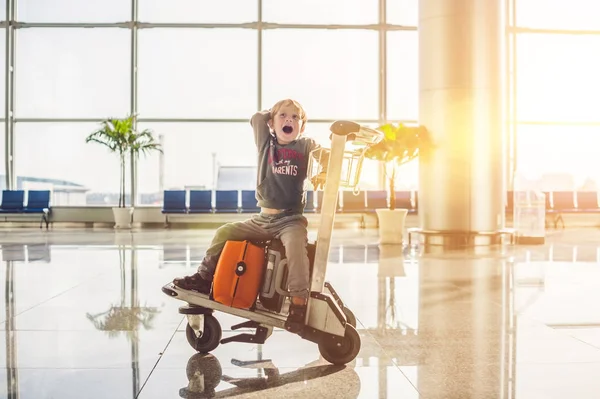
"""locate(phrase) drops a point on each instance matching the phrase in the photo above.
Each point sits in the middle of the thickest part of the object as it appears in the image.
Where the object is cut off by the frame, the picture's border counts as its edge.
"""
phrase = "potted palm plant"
(122, 138)
(400, 145)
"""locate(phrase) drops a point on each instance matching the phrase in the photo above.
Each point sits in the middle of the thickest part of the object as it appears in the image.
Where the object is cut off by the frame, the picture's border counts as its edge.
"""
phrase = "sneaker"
(295, 320)
(195, 282)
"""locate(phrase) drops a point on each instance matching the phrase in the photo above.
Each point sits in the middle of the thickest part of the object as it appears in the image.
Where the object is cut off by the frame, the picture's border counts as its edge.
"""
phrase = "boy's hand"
(319, 180)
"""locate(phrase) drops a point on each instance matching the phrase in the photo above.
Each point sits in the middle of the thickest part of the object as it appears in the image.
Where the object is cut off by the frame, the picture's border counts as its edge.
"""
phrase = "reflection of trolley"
(205, 373)
(328, 322)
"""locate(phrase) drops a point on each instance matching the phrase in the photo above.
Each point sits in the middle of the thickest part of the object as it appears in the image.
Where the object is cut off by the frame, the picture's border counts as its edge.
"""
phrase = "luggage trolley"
(329, 323)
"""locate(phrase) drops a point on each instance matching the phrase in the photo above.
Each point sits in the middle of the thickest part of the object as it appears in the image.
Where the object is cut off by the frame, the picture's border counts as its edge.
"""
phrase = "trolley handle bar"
(356, 133)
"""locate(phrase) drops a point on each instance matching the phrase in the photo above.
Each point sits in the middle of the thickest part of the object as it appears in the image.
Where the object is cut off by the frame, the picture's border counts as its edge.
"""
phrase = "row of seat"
(14, 204)
(565, 201)
(244, 201)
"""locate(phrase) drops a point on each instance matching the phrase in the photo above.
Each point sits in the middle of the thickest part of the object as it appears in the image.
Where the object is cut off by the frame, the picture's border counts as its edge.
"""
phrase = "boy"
(283, 156)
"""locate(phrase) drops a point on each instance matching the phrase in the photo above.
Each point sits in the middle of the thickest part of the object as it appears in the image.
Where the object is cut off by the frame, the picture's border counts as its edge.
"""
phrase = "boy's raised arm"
(261, 128)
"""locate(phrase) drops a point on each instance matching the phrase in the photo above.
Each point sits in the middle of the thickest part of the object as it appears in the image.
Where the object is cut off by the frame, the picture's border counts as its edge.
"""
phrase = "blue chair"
(249, 203)
(353, 203)
(510, 202)
(12, 201)
(549, 202)
(173, 202)
(226, 201)
(200, 201)
(403, 200)
(587, 201)
(376, 199)
(319, 195)
(310, 202)
(38, 201)
(562, 202)
(416, 201)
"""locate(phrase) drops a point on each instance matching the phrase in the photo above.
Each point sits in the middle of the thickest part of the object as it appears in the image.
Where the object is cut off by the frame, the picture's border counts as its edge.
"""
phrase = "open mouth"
(288, 129)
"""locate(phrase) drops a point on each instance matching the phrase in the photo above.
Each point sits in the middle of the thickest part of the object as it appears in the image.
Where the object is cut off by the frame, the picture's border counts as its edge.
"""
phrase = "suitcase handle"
(279, 278)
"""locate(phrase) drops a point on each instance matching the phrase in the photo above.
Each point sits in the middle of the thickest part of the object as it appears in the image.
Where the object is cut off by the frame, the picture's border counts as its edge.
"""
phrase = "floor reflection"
(205, 374)
(12, 255)
(506, 324)
(12, 366)
(125, 318)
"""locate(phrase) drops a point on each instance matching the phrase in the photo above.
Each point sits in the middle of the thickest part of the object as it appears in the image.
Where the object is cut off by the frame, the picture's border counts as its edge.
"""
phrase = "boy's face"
(287, 124)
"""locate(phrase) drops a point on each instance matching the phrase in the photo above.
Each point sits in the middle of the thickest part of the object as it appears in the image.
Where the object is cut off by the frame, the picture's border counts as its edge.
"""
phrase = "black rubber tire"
(210, 338)
(350, 318)
(344, 354)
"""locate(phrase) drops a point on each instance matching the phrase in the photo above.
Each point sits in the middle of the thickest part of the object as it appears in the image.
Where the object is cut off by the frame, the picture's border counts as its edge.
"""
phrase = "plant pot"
(391, 225)
(123, 217)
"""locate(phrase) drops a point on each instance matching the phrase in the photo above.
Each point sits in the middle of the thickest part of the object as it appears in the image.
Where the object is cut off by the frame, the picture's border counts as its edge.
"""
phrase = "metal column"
(512, 23)
(133, 93)
(9, 142)
(461, 182)
(259, 30)
(382, 79)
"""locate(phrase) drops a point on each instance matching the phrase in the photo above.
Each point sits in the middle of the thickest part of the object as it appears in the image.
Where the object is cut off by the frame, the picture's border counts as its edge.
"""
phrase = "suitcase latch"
(240, 268)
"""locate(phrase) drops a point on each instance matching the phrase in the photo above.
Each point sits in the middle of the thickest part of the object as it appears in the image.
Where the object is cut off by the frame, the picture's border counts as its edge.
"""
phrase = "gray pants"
(289, 228)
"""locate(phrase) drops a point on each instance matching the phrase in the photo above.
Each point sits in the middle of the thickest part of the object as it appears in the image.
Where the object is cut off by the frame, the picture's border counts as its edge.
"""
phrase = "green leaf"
(389, 132)
(120, 137)
(401, 144)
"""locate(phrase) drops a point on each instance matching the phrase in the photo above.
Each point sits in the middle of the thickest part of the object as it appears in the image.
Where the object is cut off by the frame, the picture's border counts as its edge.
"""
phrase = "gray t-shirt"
(281, 168)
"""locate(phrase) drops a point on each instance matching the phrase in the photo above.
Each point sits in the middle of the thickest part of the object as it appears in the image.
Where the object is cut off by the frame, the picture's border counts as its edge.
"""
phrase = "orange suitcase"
(238, 274)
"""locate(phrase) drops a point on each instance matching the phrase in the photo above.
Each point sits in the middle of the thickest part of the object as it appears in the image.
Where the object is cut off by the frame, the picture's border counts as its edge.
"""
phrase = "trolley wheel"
(343, 353)
(350, 318)
(210, 337)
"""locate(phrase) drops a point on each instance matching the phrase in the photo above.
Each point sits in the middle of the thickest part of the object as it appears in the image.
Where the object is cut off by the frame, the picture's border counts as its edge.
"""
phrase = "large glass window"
(187, 158)
(197, 73)
(332, 73)
(72, 10)
(72, 72)
(2, 157)
(563, 156)
(203, 11)
(57, 154)
(558, 14)
(194, 152)
(2, 73)
(403, 75)
(402, 12)
(407, 176)
(558, 78)
(321, 12)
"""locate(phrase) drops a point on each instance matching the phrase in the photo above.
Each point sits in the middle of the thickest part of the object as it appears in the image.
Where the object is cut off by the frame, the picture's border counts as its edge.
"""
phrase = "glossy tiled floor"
(84, 317)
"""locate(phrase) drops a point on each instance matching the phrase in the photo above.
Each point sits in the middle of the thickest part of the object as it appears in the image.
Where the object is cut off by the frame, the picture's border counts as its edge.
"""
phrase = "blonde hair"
(275, 109)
